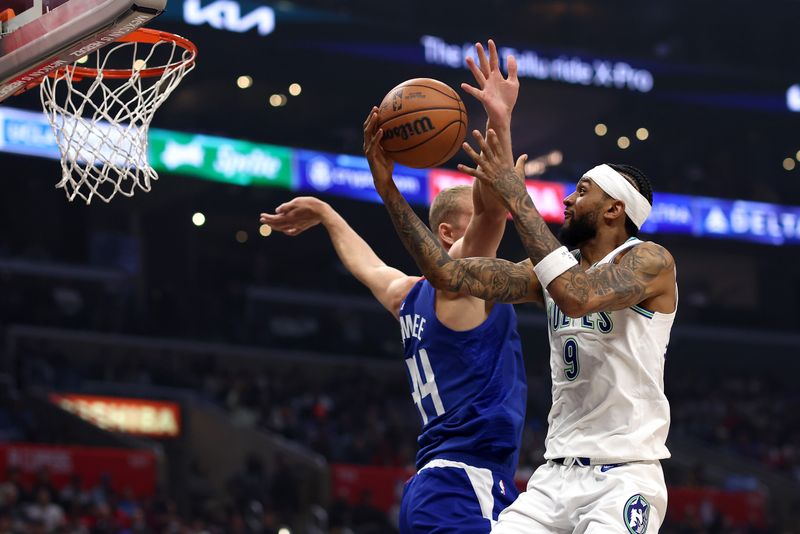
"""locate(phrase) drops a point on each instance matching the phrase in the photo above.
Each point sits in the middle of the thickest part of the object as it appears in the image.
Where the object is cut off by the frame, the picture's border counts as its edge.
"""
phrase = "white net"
(101, 123)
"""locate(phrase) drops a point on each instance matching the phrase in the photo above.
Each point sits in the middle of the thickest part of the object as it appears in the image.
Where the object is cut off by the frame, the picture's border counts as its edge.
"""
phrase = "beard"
(579, 231)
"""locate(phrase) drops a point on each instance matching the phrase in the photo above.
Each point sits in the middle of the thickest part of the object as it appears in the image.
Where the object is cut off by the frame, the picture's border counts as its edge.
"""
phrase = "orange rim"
(142, 35)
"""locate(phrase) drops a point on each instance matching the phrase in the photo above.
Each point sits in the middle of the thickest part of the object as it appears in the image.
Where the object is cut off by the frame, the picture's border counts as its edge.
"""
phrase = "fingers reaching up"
(497, 93)
(492, 163)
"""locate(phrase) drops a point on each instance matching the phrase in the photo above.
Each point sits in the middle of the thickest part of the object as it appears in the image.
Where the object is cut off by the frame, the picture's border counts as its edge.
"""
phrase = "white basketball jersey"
(608, 382)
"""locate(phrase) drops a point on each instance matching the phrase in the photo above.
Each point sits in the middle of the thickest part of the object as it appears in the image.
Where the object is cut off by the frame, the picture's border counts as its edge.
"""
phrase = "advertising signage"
(440, 179)
(30, 133)
(350, 176)
(565, 68)
(160, 419)
(793, 98)
(228, 15)
(27, 132)
(135, 469)
(221, 159)
(671, 214)
(547, 196)
(731, 219)
(748, 221)
(244, 163)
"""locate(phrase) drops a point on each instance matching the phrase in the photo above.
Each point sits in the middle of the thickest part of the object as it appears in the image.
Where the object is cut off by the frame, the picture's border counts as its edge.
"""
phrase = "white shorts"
(630, 497)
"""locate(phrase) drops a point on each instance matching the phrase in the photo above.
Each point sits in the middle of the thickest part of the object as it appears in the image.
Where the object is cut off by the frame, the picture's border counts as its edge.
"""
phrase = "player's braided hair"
(641, 183)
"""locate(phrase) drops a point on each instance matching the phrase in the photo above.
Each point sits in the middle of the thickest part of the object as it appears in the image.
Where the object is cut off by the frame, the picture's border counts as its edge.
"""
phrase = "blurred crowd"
(74, 508)
(259, 501)
(358, 416)
(361, 417)
(751, 416)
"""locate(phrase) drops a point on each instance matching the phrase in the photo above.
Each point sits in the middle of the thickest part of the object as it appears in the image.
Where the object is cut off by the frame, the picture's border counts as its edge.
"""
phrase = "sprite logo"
(221, 159)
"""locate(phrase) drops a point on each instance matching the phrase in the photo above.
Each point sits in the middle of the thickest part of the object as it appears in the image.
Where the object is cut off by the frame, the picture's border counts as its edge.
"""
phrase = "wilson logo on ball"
(404, 131)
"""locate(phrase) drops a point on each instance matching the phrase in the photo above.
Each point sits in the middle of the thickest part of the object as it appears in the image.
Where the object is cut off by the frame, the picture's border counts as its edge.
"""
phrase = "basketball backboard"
(39, 36)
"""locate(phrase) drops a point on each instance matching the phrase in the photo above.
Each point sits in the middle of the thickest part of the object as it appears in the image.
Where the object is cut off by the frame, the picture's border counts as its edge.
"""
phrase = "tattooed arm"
(646, 271)
(486, 278)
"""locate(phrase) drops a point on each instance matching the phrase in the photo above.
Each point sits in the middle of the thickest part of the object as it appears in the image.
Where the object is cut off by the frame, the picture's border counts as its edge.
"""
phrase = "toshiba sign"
(159, 419)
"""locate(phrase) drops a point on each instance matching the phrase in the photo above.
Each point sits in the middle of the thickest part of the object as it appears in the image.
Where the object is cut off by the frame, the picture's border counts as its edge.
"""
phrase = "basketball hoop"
(101, 125)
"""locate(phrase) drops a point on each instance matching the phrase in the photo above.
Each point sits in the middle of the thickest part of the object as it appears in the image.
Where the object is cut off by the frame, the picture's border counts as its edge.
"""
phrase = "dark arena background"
(167, 365)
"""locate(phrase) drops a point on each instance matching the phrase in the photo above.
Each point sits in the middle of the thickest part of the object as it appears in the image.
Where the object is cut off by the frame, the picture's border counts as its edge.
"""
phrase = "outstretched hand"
(296, 216)
(492, 167)
(497, 94)
(380, 164)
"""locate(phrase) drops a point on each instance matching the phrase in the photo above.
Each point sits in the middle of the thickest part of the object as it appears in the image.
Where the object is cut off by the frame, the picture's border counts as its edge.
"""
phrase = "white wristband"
(553, 265)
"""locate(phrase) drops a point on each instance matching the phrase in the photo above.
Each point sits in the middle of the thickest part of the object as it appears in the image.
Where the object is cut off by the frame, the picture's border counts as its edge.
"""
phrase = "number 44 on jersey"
(421, 389)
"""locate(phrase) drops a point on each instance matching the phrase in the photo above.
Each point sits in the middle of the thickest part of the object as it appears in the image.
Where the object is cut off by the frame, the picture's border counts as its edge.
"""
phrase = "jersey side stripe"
(642, 311)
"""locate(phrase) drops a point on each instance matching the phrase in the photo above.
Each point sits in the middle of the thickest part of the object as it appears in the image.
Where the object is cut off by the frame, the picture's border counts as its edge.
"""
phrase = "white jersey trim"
(480, 478)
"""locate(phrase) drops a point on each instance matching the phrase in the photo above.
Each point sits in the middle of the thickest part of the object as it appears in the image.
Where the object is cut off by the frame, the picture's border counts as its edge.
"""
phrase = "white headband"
(636, 206)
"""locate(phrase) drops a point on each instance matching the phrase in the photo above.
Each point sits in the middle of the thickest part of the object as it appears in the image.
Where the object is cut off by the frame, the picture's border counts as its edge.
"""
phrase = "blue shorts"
(445, 497)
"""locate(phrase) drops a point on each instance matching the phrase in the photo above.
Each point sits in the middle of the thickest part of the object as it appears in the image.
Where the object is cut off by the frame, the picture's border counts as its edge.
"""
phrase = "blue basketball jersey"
(470, 387)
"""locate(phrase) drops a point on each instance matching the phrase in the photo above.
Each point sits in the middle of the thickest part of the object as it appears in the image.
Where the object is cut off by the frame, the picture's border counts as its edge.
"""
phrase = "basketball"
(423, 122)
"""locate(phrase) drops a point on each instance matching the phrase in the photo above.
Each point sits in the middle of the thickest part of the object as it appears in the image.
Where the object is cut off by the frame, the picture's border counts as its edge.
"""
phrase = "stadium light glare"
(244, 82)
(277, 100)
(555, 158)
(789, 164)
(623, 142)
(793, 98)
(295, 89)
(198, 219)
(600, 129)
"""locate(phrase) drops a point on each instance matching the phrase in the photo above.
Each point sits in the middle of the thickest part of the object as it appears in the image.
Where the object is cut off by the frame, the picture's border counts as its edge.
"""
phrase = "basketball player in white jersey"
(610, 307)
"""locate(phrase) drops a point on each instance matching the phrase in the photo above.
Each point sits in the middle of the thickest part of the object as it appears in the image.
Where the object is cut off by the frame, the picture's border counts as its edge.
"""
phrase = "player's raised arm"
(388, 285)
(498, 95)
(486, 278)
(646, 271)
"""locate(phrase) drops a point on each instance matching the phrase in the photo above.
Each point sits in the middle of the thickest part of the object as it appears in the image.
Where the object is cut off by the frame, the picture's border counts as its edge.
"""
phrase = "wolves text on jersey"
(556, 320)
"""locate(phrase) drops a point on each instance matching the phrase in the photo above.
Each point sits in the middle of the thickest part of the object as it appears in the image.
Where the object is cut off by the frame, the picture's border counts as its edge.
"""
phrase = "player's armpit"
(489, 279)
(646, 271)
(395, 293)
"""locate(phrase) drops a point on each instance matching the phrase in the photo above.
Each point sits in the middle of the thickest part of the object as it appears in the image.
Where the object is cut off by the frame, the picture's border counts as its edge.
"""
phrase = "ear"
(446, 234)
(615, 210)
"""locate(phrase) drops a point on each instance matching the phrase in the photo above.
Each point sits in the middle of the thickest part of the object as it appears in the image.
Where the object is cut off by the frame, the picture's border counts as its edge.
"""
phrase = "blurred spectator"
(42, 482)
(44, 511)
(73, 493)
(103, 491)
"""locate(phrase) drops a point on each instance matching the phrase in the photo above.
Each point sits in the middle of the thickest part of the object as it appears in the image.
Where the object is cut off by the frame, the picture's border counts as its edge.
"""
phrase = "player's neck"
(600, 245)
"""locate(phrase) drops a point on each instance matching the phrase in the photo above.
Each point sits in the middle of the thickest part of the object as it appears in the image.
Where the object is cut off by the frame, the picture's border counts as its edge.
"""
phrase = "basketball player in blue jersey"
(462, 354)
(610, 308)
